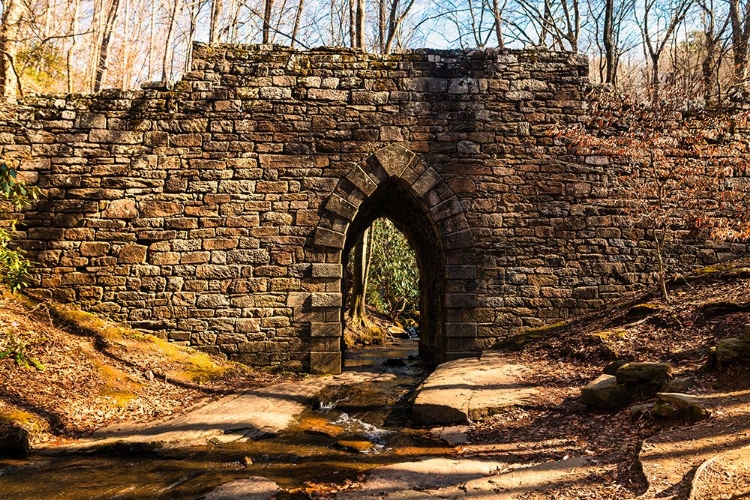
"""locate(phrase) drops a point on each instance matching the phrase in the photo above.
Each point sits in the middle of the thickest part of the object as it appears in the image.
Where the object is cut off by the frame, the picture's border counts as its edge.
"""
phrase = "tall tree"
(267, 12)
(361, 270)
(213, 32)
(658, 24)
(10, 84)
(739, 14)
(102, 52)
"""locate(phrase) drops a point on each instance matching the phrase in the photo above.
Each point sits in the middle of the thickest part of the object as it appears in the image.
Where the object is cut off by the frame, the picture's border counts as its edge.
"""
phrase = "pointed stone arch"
(394, 161)
(452, 332)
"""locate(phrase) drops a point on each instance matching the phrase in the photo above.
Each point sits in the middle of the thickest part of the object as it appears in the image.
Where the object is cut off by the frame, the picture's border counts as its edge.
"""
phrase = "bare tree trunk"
(360, 24)
(497, 13)
(362, 258)
(267, 11)
(382, 20)
(352, 24)
(10, 85)
(103, 49)
(297, 20)
(167, 52)
(151, 42)
(73, 43)
(394, 23)
(609, 43)
(739, 15)
(213, 32)
(126, 49)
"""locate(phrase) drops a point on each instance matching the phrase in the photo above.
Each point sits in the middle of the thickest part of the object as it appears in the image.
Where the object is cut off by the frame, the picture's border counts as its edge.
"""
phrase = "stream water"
(350, 430)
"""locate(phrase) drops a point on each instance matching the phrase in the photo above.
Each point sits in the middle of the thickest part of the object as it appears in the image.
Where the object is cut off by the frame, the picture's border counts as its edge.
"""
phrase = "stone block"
(327, 270)
(460, 300)
(120, 209)
(325, 329)
(341, 207)
(461, 330)
(132, 254)
(325, 300)
(394, 159)
(327, 238)
(361, 181)
(325, 363)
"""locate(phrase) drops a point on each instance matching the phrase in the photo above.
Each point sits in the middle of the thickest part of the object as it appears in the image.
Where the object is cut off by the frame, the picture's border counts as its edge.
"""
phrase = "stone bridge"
(219, 212)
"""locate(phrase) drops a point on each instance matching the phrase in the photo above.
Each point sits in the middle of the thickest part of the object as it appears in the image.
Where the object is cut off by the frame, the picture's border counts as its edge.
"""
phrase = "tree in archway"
(361, 270)
(394, 273)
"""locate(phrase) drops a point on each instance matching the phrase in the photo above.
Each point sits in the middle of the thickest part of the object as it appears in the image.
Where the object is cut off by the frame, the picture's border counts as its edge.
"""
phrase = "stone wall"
(218, 213)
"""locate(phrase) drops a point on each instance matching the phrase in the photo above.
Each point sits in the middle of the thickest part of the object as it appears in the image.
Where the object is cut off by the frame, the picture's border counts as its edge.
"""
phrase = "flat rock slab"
(392, 480)
(252, 488)
(463, 390)
(248, 415)
(669, 459)
(725, 476)
(456, 479)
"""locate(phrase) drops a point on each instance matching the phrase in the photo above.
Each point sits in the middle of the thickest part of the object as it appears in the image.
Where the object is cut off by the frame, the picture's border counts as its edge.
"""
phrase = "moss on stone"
(519, 341)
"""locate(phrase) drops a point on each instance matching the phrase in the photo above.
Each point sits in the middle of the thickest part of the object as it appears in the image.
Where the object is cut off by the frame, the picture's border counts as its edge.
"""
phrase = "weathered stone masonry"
(218, 213)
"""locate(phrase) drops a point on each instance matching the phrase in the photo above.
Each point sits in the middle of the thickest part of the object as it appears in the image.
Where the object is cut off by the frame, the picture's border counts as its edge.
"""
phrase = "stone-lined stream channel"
(349, 431)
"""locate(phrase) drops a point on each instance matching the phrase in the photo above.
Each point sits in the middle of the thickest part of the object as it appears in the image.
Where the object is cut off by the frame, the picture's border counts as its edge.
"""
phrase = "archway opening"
(396, 208)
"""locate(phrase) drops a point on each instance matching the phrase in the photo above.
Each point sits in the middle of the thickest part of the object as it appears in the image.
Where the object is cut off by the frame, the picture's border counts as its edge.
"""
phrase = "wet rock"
(653, 374)
(682, 406)
(355, 445)
(394, 362)
(604, 393)
(731, 351)
(398, 332)
(14, 440)
(319, 425)
(252, 488)
(453, 435)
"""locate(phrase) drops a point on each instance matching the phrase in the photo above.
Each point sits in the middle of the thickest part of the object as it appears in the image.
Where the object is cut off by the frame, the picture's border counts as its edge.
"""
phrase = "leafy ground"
(97, 373)
(563, 359)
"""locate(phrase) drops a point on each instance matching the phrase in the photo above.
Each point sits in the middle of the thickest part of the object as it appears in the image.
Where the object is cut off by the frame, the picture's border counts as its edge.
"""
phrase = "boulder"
(645, 373)
(682, 406)
(611, 369)
(14, 440)
(729, 351)
(604, 393)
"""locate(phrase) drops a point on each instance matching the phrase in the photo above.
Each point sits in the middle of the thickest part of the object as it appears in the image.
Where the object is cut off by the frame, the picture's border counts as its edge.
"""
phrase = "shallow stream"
(349, 431)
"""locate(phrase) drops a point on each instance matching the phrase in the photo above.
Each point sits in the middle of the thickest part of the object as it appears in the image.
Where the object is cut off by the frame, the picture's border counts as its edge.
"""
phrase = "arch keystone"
(394, 159)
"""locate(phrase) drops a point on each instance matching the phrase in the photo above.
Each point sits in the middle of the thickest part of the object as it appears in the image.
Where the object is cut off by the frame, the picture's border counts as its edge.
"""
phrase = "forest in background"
(691, 52)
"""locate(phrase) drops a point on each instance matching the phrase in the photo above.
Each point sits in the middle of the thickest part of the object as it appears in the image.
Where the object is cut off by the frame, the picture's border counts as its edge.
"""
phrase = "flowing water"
(349, 431)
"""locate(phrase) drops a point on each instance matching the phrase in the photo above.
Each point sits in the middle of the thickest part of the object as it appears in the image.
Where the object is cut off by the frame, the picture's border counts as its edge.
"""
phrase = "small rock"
(639, 410)
(398, 332)
(654, 374)
(453, 435)
(746, 333)
(611, 369)
(355, 445)
(729, 351)
(681, 384)
(604, 393)
(676, 405)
